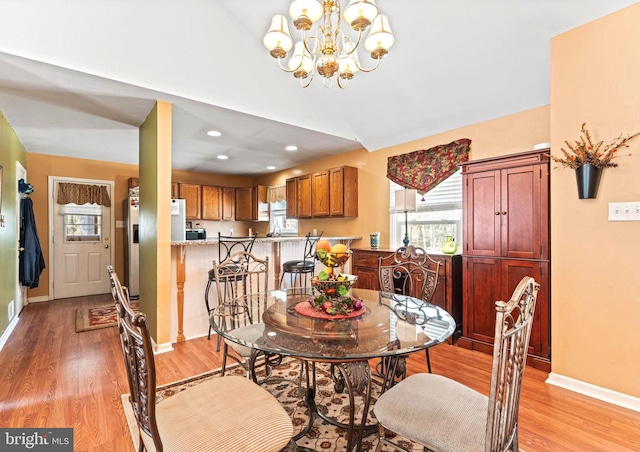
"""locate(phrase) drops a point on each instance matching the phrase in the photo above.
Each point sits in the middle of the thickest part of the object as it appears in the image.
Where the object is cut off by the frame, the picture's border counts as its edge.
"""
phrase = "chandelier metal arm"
(370, 69)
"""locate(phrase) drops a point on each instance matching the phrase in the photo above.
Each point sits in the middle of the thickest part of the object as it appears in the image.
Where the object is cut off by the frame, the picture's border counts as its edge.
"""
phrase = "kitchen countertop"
(213, 241)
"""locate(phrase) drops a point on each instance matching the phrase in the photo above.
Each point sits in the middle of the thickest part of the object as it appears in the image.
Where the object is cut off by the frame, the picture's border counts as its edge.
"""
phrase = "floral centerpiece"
(585, 152)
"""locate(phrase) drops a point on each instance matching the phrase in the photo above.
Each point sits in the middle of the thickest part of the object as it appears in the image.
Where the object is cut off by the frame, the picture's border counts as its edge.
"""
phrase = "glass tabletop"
(391, 324)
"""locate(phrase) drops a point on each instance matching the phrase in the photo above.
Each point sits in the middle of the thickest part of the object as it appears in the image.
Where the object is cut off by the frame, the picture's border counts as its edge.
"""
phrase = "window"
(439, 215)
(82, 223)
(278, 221)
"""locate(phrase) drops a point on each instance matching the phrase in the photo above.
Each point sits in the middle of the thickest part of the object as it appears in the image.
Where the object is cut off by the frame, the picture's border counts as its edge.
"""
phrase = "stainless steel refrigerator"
(132, 246)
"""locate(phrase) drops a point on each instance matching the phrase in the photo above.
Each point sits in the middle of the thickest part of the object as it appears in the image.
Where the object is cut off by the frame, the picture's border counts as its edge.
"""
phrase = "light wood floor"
(51, 376)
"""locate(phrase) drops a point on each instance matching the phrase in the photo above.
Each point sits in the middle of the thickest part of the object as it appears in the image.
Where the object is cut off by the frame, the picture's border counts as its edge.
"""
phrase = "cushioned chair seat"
(435, 411)
(298, 266)
(250, 333)
(212, 274)
(252, 419)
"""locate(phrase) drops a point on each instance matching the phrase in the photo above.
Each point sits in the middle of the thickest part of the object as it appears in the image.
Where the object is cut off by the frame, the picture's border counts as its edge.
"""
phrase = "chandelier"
(329, 51)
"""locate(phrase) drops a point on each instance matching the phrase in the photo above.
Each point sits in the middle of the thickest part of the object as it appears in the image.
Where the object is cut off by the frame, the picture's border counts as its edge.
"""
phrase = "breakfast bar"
(191, 261)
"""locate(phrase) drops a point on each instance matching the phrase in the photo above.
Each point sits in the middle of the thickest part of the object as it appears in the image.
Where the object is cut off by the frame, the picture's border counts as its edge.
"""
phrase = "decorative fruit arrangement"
(336, 256)
(333, 284)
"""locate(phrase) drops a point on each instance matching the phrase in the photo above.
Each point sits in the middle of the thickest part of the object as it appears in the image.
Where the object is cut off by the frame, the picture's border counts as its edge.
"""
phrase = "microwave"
(196, 234)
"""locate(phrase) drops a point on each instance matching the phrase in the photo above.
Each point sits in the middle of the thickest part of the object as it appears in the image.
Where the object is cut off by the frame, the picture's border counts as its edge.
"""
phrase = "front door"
(82, 246)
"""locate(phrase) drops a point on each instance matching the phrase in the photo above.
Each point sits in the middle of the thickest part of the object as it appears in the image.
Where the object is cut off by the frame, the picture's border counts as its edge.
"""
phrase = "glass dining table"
(388, 326)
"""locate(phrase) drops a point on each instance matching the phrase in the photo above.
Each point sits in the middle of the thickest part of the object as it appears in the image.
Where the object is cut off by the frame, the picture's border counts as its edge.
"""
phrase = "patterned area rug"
(88, 319)
(322, 436)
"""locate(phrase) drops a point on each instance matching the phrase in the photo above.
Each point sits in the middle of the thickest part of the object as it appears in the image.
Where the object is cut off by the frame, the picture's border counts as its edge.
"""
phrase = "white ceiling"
(77, 77)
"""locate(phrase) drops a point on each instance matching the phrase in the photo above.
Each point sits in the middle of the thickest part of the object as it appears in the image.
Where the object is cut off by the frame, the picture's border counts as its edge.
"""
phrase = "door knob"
(106, 245)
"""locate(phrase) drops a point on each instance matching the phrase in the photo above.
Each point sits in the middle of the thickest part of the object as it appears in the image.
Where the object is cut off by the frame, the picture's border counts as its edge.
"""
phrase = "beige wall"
(595, 278)
(506, 135)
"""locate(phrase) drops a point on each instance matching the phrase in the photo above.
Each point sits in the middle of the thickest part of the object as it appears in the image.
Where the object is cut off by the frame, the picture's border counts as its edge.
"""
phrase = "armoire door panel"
(520, 212)
(482, 290)
(483, 204)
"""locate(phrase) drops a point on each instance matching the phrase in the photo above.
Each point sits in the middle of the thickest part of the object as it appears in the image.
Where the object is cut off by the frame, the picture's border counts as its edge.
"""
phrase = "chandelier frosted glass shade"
(324, 47)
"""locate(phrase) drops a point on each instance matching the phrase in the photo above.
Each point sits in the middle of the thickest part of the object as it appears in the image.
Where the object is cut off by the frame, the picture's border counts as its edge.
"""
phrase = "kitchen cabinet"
(134, 182)
(343, 197)
(320, 194)
(448, 295)
(326, 193)
(191, 194)
(304, 196)
(175, 193)
(211, 202)
(228, 203)
(244, 204)
(292, 197)
(506, 237)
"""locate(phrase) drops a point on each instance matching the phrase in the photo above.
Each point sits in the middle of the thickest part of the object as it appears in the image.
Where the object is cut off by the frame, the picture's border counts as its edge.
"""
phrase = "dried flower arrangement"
(585, 152)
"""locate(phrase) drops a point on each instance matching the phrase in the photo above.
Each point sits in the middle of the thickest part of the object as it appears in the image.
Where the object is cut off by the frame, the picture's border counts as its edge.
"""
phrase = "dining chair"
(227, 245)
(443, 415)
(410, 271)
(241, 311)
(223, 414)
(302, 268)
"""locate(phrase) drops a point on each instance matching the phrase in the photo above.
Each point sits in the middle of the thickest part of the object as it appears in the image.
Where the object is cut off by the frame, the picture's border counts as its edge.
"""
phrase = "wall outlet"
(11, 310)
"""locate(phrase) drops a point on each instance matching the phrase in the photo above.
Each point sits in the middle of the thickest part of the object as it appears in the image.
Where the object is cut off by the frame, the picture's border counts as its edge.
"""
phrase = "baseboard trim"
(5, 336)
(162, 348)
(38, 299)
(597, 392)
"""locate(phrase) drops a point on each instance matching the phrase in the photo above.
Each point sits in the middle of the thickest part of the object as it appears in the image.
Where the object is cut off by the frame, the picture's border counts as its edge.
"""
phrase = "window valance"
(83, 194)
(276, 194)
(425, 169)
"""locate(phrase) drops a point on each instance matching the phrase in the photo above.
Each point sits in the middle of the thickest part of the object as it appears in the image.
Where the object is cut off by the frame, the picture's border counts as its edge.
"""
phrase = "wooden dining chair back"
(409, 271)
(444, 415)
(227, 246)
(242, 299)
(222, 414)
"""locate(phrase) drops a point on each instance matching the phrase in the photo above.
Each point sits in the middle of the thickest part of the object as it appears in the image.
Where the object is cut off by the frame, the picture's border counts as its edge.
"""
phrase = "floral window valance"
(276, 194)
(83, 194)
(423, 170)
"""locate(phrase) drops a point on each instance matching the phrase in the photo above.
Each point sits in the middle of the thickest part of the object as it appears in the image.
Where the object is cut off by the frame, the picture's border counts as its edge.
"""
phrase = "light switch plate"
(119, 224)
(624, 211)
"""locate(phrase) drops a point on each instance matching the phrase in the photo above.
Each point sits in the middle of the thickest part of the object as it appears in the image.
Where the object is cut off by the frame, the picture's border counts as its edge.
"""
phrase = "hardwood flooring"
(51, 376)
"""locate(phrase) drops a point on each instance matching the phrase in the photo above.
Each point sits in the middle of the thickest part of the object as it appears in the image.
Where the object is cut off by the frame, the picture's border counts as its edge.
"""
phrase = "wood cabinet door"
(211, 202)
(243, 204)
(191, 194)
(228, 203)
(336, 193)
(320, 190)
(175, 190)
(482, 213)
(522, 212)
(292, 198)
(513, 270)
(482, 288)
(134, 182)
(304, 196)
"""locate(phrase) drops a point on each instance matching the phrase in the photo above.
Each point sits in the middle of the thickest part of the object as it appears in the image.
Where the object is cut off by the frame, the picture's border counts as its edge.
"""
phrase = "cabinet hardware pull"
(504, 212)
(497, 213)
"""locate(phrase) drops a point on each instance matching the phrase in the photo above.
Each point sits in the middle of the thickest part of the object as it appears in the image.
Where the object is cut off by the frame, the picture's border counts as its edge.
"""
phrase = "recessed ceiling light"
(291, 148)
(223, 157)
(213, 133)
(271, 167)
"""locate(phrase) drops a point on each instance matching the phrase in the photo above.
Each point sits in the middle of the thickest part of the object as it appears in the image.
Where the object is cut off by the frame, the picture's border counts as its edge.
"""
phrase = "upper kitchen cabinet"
(228, 203)
(343, 191)
(326, 193)
(292, 198)
(304, 196)
(259, 204)
(320, 194)
(211, 202)
(244, 204)
(191, 194)
(134, 182)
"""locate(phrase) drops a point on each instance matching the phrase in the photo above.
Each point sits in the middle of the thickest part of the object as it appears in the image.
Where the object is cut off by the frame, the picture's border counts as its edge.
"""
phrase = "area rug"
(322, 436)
(88, 319)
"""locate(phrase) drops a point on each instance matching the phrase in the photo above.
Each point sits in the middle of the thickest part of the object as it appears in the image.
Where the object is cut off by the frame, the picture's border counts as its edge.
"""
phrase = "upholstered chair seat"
(438, 413)
(252, 419)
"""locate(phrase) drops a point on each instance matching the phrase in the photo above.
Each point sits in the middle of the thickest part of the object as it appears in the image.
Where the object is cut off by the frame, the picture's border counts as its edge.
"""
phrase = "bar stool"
(305, 268)
(227, 245)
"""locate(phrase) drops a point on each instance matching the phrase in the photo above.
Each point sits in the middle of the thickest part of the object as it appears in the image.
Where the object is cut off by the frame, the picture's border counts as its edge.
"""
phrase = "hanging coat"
(31, 259)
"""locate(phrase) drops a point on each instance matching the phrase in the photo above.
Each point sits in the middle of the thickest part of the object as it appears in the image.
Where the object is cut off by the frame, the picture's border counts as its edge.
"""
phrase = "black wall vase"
(588, 179)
